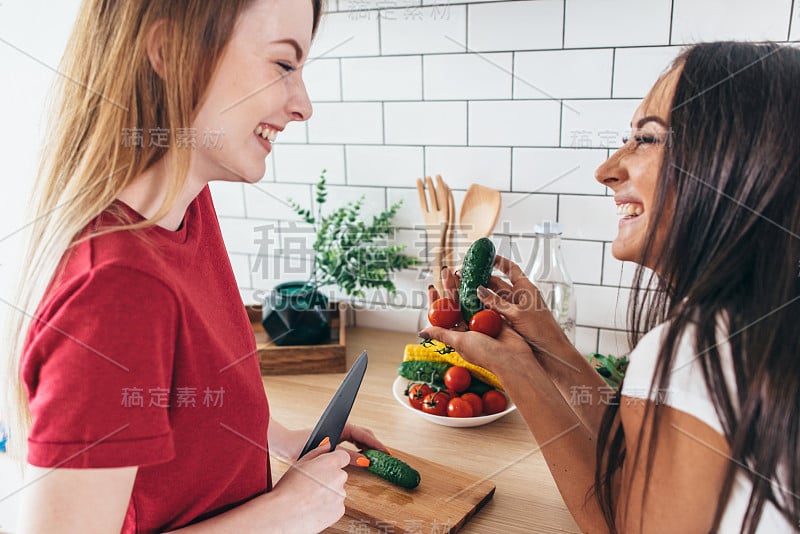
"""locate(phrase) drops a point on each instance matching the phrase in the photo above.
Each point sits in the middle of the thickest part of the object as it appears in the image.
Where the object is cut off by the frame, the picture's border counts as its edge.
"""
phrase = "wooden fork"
(449, 248)
(436, 213)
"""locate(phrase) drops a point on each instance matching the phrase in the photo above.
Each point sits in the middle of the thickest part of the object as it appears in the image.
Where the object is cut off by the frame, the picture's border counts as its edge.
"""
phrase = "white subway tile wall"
(584, 74)
(300, 163)
(350, 122)
(527, 97)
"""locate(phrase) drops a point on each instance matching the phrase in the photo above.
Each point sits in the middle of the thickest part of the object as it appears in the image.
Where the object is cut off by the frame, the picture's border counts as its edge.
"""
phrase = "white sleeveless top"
(687, 393)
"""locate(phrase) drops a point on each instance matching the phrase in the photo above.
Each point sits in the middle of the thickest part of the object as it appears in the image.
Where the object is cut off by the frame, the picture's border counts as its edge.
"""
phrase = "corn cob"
(436, 351)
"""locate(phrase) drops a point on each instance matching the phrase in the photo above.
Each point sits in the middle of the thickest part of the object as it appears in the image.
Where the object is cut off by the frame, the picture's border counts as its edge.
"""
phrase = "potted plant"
(347, 252)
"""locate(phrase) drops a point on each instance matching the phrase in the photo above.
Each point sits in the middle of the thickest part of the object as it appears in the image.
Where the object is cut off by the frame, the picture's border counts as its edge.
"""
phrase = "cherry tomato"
(458, 407)
(436, 403)
(494, 402)
(444, 312)
(474, 401)
(416, 393)
(457, 378)
(487, 322)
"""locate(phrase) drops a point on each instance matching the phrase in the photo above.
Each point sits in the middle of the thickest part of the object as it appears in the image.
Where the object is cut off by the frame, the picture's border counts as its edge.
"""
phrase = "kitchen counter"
(526, 500)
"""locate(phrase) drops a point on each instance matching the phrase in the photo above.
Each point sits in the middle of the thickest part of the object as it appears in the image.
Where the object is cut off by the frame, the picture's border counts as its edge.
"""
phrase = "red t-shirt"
(142, 355)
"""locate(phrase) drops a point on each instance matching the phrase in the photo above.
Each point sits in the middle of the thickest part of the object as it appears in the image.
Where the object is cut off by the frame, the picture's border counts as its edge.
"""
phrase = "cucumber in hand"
(476, 271)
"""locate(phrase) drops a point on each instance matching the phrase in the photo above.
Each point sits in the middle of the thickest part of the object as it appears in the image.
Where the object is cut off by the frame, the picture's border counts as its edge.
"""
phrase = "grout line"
(791, 19)
(344, 162)
(513, 73)
(494, 99)
(561, 126)
(440, 145)
(602, 263)
(383, 123)
(558, 207)
(564, 24)
(341, 83)
(511, 171)
(671, 18)
(380, 33)
(469, 111)
(425, 161)
(466, 27)
(422, 74)
(504, 50)
(597, 341)
(613, 69)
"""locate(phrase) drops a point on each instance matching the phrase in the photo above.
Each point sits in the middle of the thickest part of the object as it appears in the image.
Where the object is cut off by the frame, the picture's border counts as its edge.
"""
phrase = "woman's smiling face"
(256, 91)
(632, 171)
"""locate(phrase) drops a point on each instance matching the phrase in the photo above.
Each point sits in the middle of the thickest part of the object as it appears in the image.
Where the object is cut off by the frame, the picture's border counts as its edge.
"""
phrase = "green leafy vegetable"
(611, 368)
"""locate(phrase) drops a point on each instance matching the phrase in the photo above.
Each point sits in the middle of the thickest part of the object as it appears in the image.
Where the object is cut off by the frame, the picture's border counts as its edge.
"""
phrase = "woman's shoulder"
(687, 390)
(106, 266)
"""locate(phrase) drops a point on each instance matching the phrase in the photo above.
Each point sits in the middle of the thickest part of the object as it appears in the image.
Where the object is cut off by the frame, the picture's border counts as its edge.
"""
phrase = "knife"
(333, 419)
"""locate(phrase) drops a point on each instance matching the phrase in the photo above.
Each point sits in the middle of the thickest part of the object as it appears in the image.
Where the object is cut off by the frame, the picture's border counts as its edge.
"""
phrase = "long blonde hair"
(108, 86)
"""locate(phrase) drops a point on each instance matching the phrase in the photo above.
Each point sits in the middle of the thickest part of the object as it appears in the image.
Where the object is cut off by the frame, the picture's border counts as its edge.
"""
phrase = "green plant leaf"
(350, 252)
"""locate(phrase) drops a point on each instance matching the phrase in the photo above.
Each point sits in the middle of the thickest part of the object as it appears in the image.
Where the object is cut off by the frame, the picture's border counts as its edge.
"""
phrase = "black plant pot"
(295, 313)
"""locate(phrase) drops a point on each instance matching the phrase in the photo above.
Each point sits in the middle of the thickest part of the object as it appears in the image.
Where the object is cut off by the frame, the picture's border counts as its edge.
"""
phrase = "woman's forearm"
(265, 513)
(579, 384)
(566, 443)
(284, 443)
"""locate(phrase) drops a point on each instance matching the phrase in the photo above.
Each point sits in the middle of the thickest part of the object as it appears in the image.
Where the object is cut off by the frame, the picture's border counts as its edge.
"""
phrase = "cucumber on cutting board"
(476, 271)
(390, 468)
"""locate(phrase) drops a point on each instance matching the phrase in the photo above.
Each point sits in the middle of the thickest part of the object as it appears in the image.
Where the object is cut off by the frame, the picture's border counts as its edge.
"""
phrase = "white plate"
(399, 387)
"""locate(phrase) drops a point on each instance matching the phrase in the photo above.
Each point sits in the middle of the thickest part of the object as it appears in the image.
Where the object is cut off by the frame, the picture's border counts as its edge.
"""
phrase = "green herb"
(610, 367)
(349, 252)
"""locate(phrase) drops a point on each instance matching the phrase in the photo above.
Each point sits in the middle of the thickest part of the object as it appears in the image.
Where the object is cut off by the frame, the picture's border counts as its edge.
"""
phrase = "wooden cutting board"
(442, 503)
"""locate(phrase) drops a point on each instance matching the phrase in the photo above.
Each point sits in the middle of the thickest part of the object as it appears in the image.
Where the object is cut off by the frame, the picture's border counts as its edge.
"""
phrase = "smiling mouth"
(267, 133)
(630, 210)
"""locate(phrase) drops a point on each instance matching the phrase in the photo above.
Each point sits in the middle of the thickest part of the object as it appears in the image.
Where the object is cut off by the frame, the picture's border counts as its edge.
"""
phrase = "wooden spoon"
(479, 212)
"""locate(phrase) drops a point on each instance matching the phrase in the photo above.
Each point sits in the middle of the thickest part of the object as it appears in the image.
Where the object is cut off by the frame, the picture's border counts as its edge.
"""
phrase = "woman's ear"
(154, 42)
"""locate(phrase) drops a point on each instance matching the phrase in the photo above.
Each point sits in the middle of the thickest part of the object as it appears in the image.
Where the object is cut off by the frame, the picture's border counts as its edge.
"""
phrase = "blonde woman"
(133, 364)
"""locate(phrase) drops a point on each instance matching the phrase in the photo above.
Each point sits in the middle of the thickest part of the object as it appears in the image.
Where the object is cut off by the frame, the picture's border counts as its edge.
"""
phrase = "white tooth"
(631, 209)
(619, 209)
(265, 134)
(273, 135)
(259, 130)
(637, 211)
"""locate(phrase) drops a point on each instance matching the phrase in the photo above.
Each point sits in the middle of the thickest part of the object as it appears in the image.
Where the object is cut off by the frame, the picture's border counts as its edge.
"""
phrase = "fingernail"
(325, 441)
(362, 461)
(444, 272)
(483, 292)
(389, 452)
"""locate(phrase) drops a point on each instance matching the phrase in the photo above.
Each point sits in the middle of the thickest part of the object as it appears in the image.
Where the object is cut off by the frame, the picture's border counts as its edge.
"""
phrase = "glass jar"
(549, 273)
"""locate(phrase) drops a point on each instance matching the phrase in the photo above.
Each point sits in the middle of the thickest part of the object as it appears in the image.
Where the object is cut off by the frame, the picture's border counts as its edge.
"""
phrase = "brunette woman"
(704, 433)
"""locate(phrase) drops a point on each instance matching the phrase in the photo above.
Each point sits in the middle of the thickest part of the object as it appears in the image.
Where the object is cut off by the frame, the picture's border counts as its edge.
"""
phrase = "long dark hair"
(730, 182)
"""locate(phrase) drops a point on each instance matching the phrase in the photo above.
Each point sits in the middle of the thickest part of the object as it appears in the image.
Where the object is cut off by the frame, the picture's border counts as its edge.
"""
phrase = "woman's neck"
(146, 193)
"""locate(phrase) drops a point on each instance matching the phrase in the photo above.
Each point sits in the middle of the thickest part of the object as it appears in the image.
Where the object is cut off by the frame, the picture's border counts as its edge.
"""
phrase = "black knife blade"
(333, 419)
